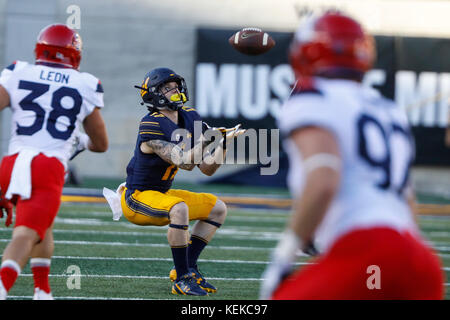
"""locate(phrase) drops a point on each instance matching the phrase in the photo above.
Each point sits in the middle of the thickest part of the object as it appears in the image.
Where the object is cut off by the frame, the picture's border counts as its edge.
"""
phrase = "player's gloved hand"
(274, 274)
(6, 206)
(229, 134)
(81, 143)
(281, 264)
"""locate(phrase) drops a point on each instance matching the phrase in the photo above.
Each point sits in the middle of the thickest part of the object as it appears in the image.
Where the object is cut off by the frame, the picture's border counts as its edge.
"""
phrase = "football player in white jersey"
(350, 150)
(49, 101)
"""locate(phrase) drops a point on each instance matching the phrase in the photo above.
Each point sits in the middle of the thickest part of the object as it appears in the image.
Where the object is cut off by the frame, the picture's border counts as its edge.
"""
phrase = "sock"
(196, 246)
(41, 269)
(180, 260)
(9, 272)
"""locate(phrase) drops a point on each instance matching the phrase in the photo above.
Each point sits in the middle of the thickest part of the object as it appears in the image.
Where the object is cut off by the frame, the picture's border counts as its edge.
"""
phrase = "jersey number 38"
(28, 104)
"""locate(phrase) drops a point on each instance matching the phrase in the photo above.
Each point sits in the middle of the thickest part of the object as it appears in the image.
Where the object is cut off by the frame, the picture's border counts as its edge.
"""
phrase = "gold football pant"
(152, 207)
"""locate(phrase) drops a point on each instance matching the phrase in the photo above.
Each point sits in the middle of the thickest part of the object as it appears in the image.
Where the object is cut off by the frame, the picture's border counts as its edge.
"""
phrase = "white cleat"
(42, 295)
(3, 292)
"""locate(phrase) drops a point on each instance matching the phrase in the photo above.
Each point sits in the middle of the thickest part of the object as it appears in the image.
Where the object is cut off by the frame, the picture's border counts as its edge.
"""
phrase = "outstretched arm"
(212, 161)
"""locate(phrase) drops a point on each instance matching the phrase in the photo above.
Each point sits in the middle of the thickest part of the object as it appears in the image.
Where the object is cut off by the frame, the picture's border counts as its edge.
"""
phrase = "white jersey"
(48, 106)
(376, 147)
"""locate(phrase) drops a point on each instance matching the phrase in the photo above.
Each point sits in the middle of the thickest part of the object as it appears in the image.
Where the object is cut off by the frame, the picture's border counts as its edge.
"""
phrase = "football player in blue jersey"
(147, 197)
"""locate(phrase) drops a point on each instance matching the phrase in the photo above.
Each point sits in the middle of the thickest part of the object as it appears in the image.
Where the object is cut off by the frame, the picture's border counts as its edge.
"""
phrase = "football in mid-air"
(251, 41)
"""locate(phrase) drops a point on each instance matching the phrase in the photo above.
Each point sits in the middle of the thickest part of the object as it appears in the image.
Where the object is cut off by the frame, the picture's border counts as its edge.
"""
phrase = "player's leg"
(210, 213)
(424, 278)
(40, 261)
(159, 209)
(204, 230)
(376, 263)
(177, 236)
(15, 256)
(33, 216)
(178, 241)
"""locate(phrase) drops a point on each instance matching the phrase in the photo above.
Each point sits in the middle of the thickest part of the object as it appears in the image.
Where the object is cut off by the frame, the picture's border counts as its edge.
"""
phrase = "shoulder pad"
(188, 109)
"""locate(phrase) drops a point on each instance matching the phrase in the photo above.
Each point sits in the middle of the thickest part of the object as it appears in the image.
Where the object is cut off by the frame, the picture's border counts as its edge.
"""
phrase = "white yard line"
(126, 224)
(110, 276)
(150, 245)
(169, 260)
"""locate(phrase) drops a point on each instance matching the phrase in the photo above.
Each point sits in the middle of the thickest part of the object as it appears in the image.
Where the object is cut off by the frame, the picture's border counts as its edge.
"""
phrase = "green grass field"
(119, 260)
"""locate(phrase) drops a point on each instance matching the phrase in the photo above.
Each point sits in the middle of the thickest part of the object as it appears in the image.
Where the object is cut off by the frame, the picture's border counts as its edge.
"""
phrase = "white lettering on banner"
(232, 90)
(216, 93)
(257, 91)
(254, 92)
(425, 97)
(281, 78)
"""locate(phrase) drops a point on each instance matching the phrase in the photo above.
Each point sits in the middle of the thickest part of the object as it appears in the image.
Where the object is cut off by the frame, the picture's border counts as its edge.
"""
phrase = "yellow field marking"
(423, 209)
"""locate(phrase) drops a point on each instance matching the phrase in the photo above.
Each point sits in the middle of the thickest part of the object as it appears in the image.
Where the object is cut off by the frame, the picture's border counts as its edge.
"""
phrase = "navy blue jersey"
(149, 171)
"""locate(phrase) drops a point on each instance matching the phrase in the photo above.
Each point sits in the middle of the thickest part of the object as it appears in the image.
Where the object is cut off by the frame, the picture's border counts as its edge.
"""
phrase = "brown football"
(251, 41)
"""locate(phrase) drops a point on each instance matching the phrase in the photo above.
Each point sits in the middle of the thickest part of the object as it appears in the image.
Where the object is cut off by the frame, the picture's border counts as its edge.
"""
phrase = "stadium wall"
(124, 39)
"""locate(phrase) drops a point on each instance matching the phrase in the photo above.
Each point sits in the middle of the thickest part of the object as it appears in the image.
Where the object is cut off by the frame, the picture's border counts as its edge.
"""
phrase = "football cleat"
(187, 285)
(42, 295)
(205, 285)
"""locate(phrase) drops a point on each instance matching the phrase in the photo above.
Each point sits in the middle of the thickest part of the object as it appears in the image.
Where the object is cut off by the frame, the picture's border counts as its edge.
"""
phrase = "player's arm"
(321, 166)
(95, 128)
(173, 154)
(213, 160)
(4, 98)
(321, 162)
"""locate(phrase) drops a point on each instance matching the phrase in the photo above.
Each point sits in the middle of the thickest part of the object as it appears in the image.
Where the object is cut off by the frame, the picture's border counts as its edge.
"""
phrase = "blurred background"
(124, 39)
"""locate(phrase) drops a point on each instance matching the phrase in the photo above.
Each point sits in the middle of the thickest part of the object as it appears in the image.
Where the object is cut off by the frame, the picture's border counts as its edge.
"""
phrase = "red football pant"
(407, 269)
(47, 181)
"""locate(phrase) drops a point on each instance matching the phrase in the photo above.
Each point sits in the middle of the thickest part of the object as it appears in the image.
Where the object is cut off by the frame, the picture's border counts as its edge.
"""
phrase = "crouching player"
(147, 197)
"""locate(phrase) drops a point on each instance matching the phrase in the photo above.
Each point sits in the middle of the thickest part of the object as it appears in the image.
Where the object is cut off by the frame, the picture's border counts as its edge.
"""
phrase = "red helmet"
(331, 44)
(59, 44)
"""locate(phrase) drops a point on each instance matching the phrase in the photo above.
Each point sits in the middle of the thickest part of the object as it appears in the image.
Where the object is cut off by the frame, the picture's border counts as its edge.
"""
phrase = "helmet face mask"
(57, 44)
(153, 96)
(332, 45)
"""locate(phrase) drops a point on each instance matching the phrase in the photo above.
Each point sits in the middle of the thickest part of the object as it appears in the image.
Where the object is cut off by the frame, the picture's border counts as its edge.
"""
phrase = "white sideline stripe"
(226, 232)
(168, 259)
(162, 245)
(229, 218)
(236, 234)
(144, 277)
(439, 234)
(263, 236)
(136, 277)
(85, 298)
(150, 245)
(126, 224)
